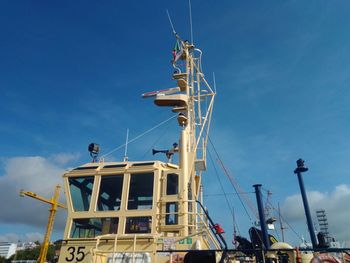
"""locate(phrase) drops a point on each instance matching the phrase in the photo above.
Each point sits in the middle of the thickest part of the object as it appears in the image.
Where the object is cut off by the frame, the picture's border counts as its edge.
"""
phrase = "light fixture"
(94, 149)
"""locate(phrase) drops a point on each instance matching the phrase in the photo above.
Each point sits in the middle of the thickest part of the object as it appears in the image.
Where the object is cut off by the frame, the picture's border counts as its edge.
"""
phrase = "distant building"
(305, 244)
(323, 223)
(26, 245)
(7, 249)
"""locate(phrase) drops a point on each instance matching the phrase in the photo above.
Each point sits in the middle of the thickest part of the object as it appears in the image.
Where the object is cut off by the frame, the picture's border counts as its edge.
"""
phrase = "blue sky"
(72, 73)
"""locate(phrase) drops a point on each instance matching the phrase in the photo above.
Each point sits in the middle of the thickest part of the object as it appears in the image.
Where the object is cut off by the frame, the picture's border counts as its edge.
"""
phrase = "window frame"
(123, 213)
(170, 214)
(92, 218)
(130, 174)
(71, 202)
(98, 190)
(167, 180)
(138, 216)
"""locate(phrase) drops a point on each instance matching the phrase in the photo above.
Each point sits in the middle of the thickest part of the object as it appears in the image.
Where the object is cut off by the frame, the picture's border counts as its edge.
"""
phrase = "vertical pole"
(126, 145)
(201, 194)
(300, 169)
(184, 180)
(234, 228)
(46, 241)
(281, 224)
(185, 149)
(262, 216)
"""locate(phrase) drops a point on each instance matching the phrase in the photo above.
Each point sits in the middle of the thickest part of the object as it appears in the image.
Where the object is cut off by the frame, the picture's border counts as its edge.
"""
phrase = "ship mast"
(192, 100)
(144, 207)
(194, 135)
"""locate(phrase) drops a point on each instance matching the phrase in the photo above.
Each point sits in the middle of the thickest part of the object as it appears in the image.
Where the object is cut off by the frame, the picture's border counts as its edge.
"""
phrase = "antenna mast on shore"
(281, 223)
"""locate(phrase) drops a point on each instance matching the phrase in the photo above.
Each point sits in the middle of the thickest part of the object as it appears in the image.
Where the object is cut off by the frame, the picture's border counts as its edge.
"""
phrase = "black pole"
(223, 243)
(265, 236)
(301, 169)
(218, 236)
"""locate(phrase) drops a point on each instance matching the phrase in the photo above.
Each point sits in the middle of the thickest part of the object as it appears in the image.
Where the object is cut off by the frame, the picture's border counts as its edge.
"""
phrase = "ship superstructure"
(142, 211)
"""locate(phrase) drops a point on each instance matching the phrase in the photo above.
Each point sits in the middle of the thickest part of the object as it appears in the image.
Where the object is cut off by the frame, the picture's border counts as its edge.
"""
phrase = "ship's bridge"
(123, 198)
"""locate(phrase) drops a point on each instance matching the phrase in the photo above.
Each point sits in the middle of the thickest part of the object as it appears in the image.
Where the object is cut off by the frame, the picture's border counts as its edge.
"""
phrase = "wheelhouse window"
(141, 191)
(171, 217)
(109, 197)
(92, 227)
(138, 225)
(172, 184)
(81, 191)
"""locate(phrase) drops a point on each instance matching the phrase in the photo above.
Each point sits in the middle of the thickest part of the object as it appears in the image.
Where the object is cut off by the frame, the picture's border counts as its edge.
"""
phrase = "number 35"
(79, 256)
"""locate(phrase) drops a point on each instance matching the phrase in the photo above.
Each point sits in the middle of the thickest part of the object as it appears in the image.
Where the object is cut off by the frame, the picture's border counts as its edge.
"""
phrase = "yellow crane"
(54, 205)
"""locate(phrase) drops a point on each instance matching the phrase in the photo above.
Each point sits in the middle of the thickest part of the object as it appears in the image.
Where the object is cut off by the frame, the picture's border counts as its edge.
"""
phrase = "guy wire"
(190, 9)
(171, 23)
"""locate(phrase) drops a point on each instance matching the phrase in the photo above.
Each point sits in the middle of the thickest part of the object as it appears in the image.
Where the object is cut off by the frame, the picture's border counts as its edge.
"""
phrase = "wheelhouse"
(123, 198)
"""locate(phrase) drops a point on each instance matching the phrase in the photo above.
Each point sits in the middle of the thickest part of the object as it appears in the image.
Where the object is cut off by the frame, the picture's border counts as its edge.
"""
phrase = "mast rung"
(179, 75)
(179, 109)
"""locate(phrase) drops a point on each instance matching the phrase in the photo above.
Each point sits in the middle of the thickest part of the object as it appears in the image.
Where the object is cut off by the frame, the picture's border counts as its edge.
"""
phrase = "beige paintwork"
(191, 230)
(188, 227)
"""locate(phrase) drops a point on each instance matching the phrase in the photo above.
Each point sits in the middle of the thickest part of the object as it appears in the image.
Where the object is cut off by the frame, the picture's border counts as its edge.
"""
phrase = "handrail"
(220, 238)
(210, 233)
(218, 242)
(133, 249)
(115, 246)
(259, 249)
(216, 234)
(121, 237)
(202, 225)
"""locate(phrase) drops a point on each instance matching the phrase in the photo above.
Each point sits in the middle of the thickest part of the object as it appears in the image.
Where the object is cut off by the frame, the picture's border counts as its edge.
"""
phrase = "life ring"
(346, 257)
(298, 257)
(325, 258)
(177, 258)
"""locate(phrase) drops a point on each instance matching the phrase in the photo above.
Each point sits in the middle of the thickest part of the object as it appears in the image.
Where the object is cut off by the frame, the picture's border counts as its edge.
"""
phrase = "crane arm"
(54, 204)
(40, 198)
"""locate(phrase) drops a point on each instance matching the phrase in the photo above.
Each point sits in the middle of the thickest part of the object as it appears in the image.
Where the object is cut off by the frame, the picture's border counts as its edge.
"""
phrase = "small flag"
(177, 51)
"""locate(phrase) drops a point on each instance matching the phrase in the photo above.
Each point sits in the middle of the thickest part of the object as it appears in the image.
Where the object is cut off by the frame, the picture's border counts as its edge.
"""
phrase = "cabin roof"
(110, 167)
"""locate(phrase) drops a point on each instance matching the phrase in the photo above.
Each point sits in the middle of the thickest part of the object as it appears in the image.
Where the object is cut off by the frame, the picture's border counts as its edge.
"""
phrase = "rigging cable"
(291, 228)
(284, 220)
(138, 136)
(217, 194)
(221, 186)
(167, 128)
(268, 208)
(234, 186)
(171, 22)
(189, 4)
(240, 192)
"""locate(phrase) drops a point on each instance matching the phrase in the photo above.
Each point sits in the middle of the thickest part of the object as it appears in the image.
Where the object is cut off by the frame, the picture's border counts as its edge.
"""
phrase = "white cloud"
(64, 158)
(14, 238)
(334, 203)
(9, 237)
(35, 236)
(36, 174)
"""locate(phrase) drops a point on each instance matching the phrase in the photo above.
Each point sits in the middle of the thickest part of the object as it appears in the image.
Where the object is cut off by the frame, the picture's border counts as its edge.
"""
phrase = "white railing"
(97, 252)
(201, 225)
